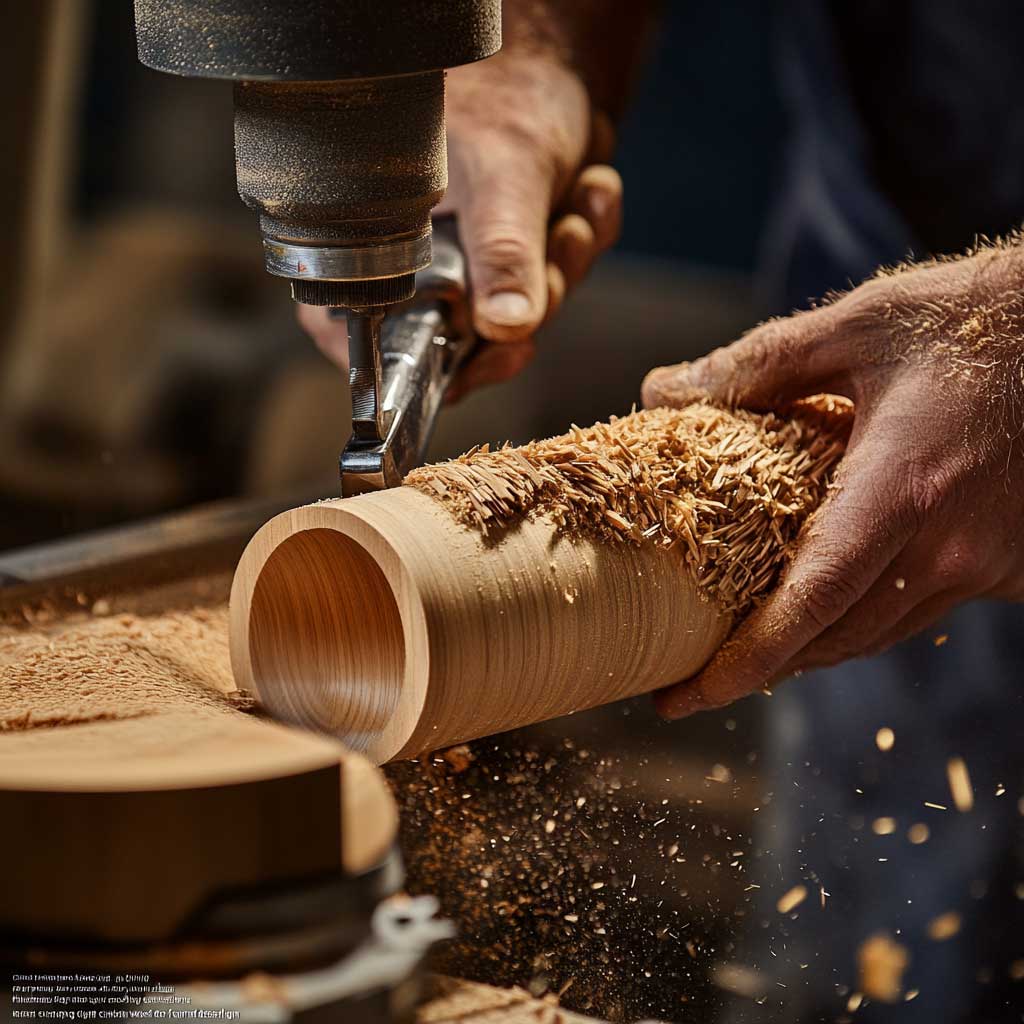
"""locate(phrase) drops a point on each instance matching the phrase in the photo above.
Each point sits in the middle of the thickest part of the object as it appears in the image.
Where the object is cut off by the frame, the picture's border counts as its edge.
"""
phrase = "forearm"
(602, 41)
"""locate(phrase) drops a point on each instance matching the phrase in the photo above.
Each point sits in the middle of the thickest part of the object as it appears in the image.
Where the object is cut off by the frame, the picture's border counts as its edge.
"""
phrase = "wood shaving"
(881, 962)
(465, 1002)
(960, 784)
(918, 833)
(944, 927)
(732, 488)
(792, 899)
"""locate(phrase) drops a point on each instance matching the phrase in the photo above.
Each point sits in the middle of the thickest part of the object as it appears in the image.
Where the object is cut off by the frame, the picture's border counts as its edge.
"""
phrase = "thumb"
(503, 202)
(770, 366)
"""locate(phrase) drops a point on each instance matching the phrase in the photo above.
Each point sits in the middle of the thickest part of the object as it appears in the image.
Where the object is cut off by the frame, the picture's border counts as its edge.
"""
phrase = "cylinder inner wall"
(326, 641)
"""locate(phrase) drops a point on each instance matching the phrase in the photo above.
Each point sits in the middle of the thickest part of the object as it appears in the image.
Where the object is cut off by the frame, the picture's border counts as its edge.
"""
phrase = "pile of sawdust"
(133, 696)
(732, 487)
(93, 668)
(454, 1001)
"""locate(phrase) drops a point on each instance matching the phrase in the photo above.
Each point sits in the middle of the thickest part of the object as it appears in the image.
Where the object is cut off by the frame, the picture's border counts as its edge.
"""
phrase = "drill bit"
(364, 374)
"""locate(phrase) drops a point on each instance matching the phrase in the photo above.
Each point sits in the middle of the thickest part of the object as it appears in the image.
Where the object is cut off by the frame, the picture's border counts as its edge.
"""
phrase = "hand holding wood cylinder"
(513, 586)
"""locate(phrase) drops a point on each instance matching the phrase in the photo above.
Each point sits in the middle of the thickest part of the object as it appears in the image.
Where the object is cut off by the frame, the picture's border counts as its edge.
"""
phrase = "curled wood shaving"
(731, 488)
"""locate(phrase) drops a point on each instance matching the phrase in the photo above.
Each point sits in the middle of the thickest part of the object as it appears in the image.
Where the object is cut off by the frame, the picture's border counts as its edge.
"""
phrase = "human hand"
(928, 506)
(535, 204)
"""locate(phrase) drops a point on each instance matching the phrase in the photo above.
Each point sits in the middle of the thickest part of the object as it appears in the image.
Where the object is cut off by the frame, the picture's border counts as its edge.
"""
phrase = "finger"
(927, 575)
(492, 364)
(846, 547)
(556, 290)
(858, 632)
(774, 364)
(329, 333)
(923, 616)
(572, 248)
(597, 197)
(504, 200)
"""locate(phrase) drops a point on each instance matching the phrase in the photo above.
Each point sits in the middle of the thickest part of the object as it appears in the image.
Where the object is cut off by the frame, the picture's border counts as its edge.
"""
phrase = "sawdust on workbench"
(732, 487)
(454, 1001)
(567, 877)
(104, 664)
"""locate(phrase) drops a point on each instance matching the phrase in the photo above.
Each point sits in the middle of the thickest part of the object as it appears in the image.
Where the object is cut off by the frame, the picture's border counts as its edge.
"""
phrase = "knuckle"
(826, 592)
(754, 353)
(720, 368)
(873, 307)
(778, 348)
(927, 488)
(867, 302)
(504, 257)
(763, 344)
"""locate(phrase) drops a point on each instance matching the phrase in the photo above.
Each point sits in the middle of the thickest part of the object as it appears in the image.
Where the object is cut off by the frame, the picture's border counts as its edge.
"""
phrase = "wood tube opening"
(326, 638)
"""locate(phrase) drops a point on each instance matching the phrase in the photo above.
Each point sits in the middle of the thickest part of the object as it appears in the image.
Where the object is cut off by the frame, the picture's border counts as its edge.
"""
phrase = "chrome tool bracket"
(398, 385)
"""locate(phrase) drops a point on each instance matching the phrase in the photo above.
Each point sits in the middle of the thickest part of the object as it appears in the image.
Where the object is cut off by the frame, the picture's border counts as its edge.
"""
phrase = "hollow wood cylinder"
(384, 621)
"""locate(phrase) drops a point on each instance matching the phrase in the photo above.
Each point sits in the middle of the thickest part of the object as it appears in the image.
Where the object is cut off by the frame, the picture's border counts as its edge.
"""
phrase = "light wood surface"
(381, 620)
(454, 1001)
(133, 790)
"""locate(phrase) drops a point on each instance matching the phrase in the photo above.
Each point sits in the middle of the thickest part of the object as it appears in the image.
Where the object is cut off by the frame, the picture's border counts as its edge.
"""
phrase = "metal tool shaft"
(401, 369)
(364, 374)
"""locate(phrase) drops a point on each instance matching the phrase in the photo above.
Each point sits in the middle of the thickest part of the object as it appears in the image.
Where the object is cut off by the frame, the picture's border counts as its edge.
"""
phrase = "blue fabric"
(836, 221)
(827, 782)
(831, 227)
(964, 699)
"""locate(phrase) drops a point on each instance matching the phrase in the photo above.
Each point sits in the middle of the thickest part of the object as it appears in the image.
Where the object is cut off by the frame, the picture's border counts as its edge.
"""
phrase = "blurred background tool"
(340, 148)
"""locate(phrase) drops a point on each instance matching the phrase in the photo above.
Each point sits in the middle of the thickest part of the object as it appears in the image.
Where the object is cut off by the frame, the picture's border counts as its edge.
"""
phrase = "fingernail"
(509, 308)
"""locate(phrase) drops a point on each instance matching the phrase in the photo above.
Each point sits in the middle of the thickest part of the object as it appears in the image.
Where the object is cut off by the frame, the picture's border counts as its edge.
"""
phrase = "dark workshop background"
(156, 366)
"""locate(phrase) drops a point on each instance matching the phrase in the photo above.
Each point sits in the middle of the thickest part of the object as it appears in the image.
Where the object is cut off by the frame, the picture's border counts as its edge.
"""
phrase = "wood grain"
(383, 621)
